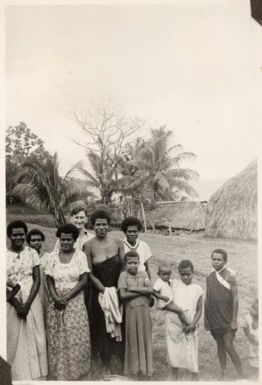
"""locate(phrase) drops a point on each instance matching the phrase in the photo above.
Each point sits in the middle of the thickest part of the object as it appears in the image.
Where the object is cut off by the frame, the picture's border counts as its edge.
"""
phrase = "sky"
(192, 67)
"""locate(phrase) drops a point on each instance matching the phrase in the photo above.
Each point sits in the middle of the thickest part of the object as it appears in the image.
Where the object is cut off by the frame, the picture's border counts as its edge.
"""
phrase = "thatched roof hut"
(188, 215)
(232, 210)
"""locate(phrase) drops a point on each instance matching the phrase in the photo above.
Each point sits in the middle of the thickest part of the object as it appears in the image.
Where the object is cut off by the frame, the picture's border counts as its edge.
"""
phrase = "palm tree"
(40, 186)
(132, 183)
(155, 167)
(104, 174)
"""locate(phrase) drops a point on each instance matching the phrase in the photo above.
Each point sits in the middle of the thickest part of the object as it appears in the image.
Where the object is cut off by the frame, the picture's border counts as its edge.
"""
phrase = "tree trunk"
(106, 197)
(143, 216)
(59, 217)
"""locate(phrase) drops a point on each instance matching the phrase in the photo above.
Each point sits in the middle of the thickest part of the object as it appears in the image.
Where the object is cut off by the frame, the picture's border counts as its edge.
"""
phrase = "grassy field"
(197, 248)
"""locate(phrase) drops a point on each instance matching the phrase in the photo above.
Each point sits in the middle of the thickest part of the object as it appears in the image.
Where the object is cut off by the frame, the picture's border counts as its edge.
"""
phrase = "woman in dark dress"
(105, 255)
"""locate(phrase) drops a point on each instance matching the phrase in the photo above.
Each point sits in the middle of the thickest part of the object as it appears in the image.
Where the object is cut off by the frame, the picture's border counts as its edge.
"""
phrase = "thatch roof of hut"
(232, 210)
(188, 215)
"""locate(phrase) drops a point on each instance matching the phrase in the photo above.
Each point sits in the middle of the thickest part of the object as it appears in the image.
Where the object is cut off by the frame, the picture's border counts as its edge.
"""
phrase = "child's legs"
(228, 341)
(221, 351)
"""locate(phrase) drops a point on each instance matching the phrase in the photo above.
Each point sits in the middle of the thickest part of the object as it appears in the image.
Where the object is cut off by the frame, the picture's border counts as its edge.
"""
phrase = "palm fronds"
(40, 185)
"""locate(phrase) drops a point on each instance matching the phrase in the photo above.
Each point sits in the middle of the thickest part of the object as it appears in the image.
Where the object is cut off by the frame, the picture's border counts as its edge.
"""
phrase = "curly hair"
(222, 252)
(100, 214)
(68, 229)
(35, 232)
(131, 221)
(17, 224)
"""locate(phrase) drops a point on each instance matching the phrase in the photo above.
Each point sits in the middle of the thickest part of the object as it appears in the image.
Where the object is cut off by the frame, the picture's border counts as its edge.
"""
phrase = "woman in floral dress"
(26, 339)
(67, 321)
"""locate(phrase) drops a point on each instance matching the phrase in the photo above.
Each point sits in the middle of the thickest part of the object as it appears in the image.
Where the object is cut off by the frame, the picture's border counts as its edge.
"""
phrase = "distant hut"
(232, 210)
(186, 215)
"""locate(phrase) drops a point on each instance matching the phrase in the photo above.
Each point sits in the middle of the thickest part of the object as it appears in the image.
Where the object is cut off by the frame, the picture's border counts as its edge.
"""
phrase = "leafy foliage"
(152, 167)
(102, 176)
(21, 144)
(39, 185)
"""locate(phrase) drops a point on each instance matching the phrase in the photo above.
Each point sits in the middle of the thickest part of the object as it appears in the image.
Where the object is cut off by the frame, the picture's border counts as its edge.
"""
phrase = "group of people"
(87, 303)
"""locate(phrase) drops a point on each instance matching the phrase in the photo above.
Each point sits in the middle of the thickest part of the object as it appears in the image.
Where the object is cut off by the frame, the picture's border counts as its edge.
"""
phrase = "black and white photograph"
(131, 142)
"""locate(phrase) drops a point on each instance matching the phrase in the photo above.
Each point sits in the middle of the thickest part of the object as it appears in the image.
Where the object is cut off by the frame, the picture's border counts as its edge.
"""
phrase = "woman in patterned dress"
(26, 339)
(67, 321)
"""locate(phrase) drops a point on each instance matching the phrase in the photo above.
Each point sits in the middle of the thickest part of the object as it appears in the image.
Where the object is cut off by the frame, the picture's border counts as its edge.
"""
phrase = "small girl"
(182, 341)
(251, 331)
(134, 291)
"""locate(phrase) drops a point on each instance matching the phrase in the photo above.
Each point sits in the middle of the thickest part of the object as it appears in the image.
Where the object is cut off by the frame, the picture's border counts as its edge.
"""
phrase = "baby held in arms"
(163, 292)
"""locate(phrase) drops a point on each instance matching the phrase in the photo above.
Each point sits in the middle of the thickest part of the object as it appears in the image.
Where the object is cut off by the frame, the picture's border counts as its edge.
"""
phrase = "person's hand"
(22, 310)
(163, 297)
(233, 325)
(60, 303)
(186, 329)
(66, 298)
(59, 306)
(10, 283)
(151, 301)
(189, 328)
(16, 303)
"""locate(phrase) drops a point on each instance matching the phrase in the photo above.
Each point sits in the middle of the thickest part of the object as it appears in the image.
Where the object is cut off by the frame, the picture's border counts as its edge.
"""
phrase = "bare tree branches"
(107, 128)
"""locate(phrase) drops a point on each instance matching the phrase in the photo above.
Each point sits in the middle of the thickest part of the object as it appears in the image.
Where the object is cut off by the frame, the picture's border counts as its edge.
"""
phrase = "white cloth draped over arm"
(109, 303)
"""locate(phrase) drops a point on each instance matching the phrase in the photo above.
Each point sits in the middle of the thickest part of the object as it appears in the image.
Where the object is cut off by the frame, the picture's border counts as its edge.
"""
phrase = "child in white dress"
(182, 341)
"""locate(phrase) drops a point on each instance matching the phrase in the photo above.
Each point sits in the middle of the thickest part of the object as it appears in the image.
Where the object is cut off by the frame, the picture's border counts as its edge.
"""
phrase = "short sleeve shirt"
(127, 280)
(163, 288)
(20, 265)
(143, 251)
(66, 275)
(187, 296)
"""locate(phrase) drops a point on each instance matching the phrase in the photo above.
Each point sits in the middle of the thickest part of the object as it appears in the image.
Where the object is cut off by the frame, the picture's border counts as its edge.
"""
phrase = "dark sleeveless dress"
(103, 346)
(218, 306)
